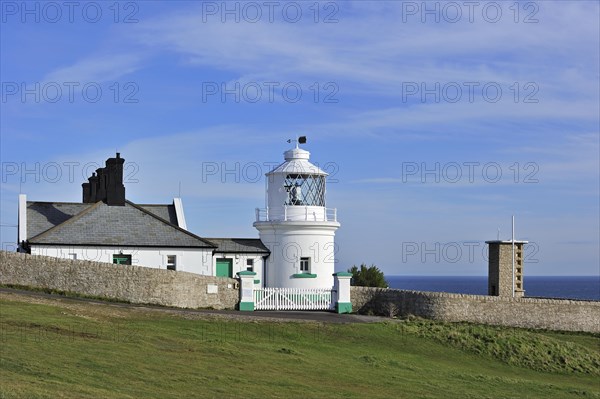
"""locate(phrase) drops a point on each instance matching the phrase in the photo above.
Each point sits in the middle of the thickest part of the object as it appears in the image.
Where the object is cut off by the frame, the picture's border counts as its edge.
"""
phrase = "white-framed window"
(72, 256)
(250, 265)
(171, 262)
(305, 265)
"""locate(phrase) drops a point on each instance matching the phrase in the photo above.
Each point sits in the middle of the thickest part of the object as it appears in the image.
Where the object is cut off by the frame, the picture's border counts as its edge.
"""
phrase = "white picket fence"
(293, 299)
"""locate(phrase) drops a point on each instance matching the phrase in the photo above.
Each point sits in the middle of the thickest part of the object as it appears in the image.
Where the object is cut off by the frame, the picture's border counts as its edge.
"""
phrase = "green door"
(224, 267)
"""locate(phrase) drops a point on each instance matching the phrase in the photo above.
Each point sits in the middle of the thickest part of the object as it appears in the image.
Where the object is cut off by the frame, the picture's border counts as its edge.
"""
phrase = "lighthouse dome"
(296, 161)
(296, 153)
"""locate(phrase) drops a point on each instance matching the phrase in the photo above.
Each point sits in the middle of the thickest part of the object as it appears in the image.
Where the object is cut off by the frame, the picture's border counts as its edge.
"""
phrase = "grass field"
(62, 349)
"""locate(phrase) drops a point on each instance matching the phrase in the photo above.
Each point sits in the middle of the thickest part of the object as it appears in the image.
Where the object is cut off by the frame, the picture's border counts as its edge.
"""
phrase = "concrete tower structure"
(296, 226)
(505, 268)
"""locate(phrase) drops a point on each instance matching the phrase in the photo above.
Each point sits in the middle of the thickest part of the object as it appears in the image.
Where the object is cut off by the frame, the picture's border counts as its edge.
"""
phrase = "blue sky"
(437, 122)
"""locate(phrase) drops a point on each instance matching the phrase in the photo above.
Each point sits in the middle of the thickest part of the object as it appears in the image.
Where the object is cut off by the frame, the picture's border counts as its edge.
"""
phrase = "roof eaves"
(217, 251)
(55, 202)
(118, 245)
(256, 250)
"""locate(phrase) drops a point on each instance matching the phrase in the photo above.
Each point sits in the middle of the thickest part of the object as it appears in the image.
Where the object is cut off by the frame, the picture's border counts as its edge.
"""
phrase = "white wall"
(290, 241)
(22, 236)
(200, 261)
(179, 212)
(196, 260)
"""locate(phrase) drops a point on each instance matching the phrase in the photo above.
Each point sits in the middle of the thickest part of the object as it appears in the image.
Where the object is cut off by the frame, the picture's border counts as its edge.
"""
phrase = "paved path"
(325, 317)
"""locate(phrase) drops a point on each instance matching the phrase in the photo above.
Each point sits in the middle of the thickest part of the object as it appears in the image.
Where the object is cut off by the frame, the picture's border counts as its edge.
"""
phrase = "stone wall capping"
(541, 313)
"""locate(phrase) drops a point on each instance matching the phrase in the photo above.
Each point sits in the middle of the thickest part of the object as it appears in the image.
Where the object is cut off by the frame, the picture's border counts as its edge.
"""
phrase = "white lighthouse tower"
(296, 226)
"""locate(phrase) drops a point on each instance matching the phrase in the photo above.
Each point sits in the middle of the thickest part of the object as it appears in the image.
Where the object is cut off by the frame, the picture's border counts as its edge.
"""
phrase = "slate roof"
(100, 224)
(166, 212)
(240, 245)
(42, 216)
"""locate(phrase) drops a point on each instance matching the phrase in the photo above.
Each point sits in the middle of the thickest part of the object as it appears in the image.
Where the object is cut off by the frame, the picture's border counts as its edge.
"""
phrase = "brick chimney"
(115, 190)
(89, 189)
(86, 193)
(93, 186)
(106, 184)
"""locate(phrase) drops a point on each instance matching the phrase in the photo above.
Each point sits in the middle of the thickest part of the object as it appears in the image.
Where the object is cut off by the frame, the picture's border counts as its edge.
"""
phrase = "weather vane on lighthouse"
(298, 140)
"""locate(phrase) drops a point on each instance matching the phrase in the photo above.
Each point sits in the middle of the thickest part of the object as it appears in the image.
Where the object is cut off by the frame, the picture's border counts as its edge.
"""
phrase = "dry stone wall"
(134, 284)
(552, 314)
(138, 284)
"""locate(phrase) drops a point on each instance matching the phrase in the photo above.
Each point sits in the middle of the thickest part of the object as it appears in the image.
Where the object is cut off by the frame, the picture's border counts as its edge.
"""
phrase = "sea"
(571, 287)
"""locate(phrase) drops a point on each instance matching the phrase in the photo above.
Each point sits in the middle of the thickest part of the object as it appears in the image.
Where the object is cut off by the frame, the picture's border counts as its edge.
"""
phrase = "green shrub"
(368, 276)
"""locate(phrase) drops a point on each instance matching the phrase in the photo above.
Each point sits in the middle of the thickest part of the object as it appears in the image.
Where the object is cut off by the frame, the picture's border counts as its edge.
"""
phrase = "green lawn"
(57, 349)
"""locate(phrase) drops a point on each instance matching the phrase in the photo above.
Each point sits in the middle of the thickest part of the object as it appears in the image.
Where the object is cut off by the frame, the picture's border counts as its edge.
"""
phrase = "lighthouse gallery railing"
(297, 213)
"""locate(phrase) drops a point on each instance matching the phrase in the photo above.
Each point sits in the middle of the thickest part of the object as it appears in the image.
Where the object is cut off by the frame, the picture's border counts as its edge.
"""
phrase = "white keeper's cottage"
(106, 227)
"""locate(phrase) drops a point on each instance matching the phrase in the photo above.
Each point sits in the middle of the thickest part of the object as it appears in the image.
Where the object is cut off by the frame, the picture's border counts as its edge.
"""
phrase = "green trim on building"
(256, 281)
(304, 275)
(343, 307)
(246, 273)
(247, 306)
(342, 274)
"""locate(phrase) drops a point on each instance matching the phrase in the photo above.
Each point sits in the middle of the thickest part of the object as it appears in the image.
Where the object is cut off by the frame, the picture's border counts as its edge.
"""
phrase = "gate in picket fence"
(294, 299)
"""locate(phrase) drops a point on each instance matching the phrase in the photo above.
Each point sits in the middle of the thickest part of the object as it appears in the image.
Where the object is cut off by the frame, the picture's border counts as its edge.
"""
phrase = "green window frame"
(121, 259)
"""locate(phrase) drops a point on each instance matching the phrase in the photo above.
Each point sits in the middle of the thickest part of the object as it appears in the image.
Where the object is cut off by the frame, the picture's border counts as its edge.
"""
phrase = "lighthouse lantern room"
(296, 226)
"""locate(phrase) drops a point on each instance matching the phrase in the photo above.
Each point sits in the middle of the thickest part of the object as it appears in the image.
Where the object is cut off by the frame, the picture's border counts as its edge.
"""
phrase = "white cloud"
(97, 68)
(371, 48)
